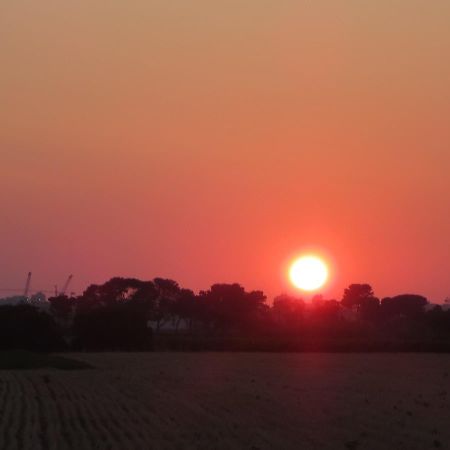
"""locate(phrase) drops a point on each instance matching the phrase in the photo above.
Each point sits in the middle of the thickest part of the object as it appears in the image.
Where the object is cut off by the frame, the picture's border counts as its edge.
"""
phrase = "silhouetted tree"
(288, 313)
(61, 307)
(115, 315)
(325, 317)
(438, 321)
(406, 305)
(326, 310)
(184, 308)
(369, 309)
(168, 293)
(355, 294)
(229, 306)
(115, 291)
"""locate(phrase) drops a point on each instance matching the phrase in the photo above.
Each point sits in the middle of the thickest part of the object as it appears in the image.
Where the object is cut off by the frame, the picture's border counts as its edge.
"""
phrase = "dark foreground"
(230, 401)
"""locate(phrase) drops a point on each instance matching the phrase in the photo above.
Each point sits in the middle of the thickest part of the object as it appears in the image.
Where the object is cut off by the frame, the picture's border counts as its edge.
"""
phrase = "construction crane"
(66, 285)
(27, 285)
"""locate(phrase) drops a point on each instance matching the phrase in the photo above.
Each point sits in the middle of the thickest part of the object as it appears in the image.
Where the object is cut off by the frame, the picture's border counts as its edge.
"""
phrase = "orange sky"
(211, 141)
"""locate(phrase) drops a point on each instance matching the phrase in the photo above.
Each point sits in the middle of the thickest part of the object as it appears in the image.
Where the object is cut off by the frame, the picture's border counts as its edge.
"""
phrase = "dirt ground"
(230, 401)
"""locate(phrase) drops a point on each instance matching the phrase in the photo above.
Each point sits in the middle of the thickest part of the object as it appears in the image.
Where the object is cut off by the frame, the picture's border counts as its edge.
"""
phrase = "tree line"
(131, 314)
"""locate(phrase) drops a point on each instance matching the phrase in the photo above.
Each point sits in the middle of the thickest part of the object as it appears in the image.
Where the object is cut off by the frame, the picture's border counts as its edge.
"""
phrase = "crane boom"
(27, 285)
(66, 285)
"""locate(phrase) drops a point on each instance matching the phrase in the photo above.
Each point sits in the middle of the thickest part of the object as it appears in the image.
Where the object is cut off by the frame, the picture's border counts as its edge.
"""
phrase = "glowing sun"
(308, 273)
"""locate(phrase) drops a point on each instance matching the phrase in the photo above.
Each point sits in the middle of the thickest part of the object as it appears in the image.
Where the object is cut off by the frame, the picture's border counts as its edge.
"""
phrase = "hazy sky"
(211, 141)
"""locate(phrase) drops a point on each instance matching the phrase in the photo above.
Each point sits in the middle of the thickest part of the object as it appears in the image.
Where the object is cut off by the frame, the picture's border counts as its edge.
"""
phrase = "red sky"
(212, 141)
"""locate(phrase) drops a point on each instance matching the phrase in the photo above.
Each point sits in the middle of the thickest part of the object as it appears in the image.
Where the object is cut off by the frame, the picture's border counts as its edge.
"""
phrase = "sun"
(308, 273)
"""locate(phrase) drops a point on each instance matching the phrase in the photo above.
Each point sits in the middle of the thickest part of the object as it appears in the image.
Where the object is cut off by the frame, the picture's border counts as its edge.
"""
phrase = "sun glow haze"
(308, 273)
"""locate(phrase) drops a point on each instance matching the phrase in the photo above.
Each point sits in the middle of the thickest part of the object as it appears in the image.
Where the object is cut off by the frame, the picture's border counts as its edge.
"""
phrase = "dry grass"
(230, 401)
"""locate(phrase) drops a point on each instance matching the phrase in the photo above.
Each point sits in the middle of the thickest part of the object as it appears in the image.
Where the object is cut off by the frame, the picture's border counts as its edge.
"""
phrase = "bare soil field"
(230, 401)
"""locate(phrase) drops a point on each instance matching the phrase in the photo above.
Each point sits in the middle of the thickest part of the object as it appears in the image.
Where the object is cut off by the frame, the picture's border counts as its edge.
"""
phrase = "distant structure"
(27, 285)
(66, 285)
(38, 299)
